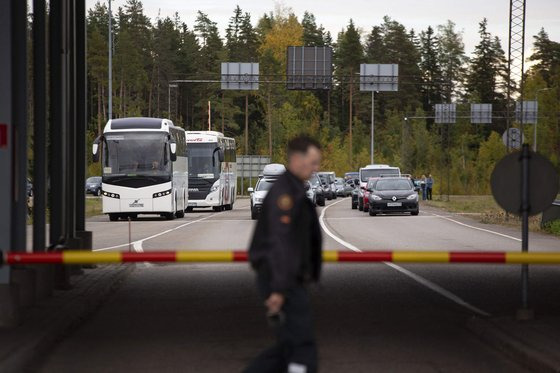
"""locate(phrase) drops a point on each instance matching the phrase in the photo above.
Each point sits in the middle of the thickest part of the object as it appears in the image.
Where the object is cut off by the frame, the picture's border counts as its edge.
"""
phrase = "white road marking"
(476, 228)
(138, 243)
(421, 280)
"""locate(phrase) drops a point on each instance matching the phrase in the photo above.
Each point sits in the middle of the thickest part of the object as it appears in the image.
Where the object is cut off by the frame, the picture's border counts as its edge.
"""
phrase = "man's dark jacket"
(287, 238)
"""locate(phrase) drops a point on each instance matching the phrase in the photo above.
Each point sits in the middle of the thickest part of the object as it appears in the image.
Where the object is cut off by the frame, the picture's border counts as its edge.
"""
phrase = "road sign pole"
(372, 125)
(525, 313)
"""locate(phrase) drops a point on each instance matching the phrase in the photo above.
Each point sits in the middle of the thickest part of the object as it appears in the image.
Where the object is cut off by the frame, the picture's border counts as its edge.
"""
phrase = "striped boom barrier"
(225, 256)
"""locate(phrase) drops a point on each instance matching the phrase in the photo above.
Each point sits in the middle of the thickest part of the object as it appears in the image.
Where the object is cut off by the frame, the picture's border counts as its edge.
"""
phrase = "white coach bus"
(145, 168)
(212, 170)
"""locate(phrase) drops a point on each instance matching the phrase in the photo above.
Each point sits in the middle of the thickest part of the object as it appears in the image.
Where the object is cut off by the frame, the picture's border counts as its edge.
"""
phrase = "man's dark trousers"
(295, 341)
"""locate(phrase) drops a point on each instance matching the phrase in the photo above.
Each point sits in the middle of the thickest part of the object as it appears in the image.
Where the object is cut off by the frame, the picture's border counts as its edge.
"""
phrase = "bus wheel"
(189, 209)
(180, 214)
(229, 207)
(113, 217)
(168, 216)
(218, 208)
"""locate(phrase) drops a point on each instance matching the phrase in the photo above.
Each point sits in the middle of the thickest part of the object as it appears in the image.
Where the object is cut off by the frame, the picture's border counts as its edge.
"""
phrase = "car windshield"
(314, 181)
(393, 184)
(136, 154)
(200, 160)
(377, 172)
(93, 179)
(264, 185)
(340, 182)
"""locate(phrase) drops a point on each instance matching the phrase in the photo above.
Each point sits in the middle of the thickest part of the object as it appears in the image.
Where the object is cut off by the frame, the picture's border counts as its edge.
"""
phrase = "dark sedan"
(393, 194)
(93, 185)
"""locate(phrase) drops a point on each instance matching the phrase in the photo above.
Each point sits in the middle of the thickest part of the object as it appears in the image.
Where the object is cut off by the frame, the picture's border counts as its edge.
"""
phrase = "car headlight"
(412, 196)
(375, 197)
(259, 200)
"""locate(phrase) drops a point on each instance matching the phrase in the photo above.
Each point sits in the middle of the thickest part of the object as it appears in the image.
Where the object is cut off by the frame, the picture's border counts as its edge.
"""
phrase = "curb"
(28, 354)
(521, 352)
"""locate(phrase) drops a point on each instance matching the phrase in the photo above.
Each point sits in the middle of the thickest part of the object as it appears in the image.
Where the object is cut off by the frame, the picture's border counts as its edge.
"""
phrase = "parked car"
(342, 188)
(392, 194)
(257, 195)
(328, 184)
(318, 191)
(93, 185)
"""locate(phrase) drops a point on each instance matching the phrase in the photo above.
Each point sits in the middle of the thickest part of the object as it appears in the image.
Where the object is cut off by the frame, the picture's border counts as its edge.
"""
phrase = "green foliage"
(433, 68)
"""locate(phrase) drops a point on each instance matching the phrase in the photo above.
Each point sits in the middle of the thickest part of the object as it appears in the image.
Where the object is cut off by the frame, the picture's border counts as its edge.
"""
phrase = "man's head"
(304, 156)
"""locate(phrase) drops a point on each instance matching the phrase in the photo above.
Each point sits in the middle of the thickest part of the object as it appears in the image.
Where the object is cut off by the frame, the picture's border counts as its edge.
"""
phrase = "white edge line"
(477, 228)
(421, 280)
(139, 242)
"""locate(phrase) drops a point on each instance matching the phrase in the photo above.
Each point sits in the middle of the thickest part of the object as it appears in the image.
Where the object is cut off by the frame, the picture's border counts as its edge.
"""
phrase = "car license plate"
(394, 204)
(192, 204)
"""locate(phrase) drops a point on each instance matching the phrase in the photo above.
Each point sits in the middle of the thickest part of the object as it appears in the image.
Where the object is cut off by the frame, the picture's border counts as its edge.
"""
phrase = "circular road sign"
(515, 138)
(506, 183)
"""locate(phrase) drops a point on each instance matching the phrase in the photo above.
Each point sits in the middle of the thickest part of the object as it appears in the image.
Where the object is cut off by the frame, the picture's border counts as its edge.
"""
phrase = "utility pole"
(209, 116)
(372, 126)
(350, 117)
(110, 71)
(246, 124)
(269, 125)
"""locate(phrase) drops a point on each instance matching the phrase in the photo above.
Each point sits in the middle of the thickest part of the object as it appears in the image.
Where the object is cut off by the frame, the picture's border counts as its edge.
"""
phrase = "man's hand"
(274, 303)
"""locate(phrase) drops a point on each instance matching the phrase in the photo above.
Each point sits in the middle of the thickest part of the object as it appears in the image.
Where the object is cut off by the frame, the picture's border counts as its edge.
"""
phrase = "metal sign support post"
(372, 126)
(525, 313)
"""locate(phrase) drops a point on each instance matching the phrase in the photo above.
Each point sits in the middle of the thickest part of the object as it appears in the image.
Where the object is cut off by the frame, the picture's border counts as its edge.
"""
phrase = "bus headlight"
(111, 195)
(215, 187)
(162, 194)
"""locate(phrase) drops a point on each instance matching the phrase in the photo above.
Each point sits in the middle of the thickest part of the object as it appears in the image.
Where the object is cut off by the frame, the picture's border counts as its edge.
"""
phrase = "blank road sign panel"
(309, 68)
(446, 113)
(241, 76)
(379, 77)
(530, 111)
(481, 113)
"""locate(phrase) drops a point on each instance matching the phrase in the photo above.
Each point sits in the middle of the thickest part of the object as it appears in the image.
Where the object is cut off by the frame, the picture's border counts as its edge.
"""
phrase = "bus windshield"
(378, 172)
(136, 154)
(200, 160)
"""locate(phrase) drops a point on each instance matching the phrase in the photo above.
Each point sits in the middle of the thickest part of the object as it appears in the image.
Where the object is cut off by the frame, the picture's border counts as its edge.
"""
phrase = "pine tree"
(486, 68)
(547, 56)
(431, 72)
(452, 60)
(312, 35)
(375, 47)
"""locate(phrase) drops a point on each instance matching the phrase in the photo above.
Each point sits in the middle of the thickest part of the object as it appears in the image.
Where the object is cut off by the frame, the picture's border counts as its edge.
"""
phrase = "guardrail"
(224, 256)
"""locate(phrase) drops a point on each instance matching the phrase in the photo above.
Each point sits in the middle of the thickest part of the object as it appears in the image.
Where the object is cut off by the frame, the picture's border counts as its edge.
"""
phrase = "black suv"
(393, 194)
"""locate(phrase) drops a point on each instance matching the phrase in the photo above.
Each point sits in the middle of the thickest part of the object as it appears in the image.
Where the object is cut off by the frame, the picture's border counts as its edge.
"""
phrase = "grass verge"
(486, 210)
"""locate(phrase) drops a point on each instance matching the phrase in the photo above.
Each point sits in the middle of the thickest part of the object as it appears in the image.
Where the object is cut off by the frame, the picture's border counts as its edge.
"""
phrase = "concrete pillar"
(9, 315)
(25, 279)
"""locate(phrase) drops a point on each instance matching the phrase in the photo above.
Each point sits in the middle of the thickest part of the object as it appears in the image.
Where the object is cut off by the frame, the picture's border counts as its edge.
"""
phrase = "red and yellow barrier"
(224, 256)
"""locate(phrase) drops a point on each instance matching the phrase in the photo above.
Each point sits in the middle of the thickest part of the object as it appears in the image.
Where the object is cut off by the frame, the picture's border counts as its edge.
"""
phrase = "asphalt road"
(369, 317)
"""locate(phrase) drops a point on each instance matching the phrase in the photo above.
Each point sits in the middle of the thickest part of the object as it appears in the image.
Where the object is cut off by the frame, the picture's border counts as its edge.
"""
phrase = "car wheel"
(361, 205)
(354, 205)
(321, 201)
(254, 215)
(371, 213)
(113, 217)
(366, 208)
(414, 213)
(98, 192)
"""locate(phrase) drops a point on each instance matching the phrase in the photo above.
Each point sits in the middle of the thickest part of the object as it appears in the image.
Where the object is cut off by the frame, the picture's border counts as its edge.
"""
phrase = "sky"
(417, 14)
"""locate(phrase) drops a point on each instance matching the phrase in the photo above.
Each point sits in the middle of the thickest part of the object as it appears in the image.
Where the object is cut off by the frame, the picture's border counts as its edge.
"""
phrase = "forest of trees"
(433, 68)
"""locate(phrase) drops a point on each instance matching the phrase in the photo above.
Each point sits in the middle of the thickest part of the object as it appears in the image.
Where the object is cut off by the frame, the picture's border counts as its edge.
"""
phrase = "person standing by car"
(423, 187)
(429, 186)
(286, 254)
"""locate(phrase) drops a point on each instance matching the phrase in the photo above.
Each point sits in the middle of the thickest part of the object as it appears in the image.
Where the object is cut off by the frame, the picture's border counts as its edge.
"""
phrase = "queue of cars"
(374, 189)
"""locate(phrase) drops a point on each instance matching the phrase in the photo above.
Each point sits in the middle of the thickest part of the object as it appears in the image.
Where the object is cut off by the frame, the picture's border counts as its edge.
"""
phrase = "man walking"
(429, 186)
(286, 255)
